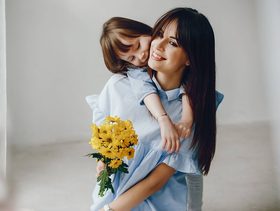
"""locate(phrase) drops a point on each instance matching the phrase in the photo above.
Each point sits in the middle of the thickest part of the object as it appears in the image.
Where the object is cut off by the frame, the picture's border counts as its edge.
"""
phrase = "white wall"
(3, 105)
(3, 94)
(54, 60)
(268, 16)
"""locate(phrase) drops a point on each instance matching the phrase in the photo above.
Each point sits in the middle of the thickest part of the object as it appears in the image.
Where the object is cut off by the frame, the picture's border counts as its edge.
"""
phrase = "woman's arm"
(143, 189)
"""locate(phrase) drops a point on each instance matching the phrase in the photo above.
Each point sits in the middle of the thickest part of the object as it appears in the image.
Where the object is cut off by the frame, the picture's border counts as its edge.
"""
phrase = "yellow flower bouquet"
(113, 139)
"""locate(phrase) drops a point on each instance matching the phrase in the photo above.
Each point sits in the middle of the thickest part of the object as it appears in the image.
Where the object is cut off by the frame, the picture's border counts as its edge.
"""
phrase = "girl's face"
(138, 53)
(165, 54)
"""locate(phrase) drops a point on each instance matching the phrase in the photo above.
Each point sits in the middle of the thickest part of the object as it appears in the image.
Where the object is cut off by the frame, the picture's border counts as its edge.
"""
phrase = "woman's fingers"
(99, 167)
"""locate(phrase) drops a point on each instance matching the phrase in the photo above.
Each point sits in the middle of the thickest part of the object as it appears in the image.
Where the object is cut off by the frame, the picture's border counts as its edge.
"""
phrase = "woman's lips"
(157, 57)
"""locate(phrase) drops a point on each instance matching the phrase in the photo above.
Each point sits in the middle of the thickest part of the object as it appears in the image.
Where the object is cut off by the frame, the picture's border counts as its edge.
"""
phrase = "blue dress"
(117, 98)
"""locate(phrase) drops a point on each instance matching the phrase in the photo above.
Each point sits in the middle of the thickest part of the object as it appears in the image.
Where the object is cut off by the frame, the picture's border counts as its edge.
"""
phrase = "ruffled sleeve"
(141, 83)
(101, 104)
(97, 114)
(184, 161)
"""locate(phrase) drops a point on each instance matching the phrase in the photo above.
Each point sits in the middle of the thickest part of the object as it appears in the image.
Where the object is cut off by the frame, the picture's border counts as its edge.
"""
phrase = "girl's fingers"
(173, 146)
(177, 145)
(163, 143)
(185, 132)
(179, 130)
(168, 146)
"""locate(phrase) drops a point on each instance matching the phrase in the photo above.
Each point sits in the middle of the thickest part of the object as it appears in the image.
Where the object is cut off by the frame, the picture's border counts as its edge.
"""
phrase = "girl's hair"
(195, 35)
(114, 29)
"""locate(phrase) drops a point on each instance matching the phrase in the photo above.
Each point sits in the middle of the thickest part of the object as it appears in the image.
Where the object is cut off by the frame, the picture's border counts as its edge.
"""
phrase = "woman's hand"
(99, 167)
(169, 134)
(183, 129)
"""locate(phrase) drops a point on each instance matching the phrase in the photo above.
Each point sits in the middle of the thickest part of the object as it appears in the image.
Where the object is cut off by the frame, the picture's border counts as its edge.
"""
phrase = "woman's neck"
(168, 82)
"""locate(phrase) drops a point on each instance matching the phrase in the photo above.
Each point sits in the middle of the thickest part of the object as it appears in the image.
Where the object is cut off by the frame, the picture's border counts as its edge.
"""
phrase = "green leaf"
(95, 155)
(105, 182)
(123, 168)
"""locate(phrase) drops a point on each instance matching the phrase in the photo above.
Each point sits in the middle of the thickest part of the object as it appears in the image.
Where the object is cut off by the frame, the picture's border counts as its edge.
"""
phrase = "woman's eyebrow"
(175, 38)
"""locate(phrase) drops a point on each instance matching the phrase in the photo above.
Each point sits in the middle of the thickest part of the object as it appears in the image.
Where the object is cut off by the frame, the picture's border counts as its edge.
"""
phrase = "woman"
(182, 51)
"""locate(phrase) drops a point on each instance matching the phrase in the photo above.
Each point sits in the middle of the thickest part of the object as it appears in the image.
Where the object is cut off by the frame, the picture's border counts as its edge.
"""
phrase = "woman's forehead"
(170, 25)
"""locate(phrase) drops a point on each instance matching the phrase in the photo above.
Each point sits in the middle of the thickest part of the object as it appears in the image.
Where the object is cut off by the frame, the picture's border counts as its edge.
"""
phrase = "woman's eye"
(173, 43)
(132, 58)
(160, 34)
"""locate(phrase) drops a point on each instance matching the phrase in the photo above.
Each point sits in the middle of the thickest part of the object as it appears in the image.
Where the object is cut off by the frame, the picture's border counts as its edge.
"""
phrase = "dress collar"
(172, 94)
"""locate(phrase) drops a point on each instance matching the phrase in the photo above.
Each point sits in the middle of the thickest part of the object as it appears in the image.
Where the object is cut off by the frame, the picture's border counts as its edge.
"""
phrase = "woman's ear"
(187, 63)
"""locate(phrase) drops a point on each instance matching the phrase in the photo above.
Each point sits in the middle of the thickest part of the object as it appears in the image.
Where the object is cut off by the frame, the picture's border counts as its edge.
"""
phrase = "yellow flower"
(107, 152)
(111, 119)
(95, 143)
(113, 140)
(128, 124)
(130, 153)
(134, 139)
(120, 153)
(115, 163)
(94, 130)
(105, 129)
(106, 138)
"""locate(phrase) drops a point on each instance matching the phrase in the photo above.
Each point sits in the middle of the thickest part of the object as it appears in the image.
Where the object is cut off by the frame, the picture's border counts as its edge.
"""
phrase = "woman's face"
(138, 53)
(165, 54)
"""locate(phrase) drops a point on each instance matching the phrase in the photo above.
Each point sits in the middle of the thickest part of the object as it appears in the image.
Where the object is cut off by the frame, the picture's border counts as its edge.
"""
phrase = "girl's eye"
(138, 46)
(132, 58)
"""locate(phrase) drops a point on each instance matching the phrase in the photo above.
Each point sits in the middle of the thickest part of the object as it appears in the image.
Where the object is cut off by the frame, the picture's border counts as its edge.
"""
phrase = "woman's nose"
(159, 45)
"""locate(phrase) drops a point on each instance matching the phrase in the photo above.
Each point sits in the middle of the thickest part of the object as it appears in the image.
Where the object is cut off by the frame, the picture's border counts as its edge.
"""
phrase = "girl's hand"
(99, 167)
(169, 134)
(184, 129)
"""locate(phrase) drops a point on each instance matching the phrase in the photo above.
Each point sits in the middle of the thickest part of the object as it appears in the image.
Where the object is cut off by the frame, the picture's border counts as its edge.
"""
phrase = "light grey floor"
(60, 178)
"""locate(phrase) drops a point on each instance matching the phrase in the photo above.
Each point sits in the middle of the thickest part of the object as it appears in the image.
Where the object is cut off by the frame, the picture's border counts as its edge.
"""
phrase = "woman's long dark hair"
(195, 35)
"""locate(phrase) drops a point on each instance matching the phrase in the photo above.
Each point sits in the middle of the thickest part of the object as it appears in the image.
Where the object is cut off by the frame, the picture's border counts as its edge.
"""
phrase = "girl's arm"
(145, 91)
(185, 124)
(143, 189)
(169, 134)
